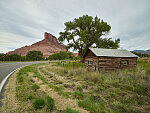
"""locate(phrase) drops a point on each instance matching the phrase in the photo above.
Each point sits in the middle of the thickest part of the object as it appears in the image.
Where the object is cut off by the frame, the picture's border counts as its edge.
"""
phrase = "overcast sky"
(23, 22)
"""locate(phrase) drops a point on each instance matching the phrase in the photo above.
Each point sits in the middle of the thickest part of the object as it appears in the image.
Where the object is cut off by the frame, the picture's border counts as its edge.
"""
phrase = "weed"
(31, 80)
(79, 88)
(73, 84)
(35, 87)
(65, 94)
(92, 106)
(69, 110)
(38, 103)
(112, 94)
(30, 97)
(20, 78)
(78, 95)
(99, 89)
(50, 103)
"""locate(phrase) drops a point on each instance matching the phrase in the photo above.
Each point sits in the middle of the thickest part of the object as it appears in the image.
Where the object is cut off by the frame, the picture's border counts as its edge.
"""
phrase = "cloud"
(23, 22)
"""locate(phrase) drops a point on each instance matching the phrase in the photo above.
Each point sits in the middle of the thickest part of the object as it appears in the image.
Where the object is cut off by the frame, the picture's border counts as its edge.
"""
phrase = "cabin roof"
(112, 52)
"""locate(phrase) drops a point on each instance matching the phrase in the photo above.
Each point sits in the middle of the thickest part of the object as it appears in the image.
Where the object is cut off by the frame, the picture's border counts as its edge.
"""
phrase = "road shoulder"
(9, 101)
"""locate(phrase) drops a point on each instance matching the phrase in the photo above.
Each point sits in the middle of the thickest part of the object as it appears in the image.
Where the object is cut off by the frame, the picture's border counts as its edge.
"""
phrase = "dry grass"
(9, 102)
(73, 86)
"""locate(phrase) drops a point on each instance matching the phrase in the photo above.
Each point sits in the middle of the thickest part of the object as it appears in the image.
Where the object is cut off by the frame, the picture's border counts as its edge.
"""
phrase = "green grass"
(69, 110)
(78, 95)
(92, 106)
(124, 91)
(27, 93)
(121, 91)
(79, 88)
(38, 103)
(50, 103)
(35, 87)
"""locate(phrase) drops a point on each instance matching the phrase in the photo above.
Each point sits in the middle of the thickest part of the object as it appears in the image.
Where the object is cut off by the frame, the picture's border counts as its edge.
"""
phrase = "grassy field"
(67, 87)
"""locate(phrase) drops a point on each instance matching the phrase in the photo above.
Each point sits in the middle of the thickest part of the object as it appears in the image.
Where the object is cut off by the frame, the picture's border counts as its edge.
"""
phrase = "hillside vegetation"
(67, 87)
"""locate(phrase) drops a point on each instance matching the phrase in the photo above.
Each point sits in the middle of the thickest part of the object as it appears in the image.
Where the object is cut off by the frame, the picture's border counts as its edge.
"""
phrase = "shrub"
(50, 103)
(35, 87)
(69, 110)
(34, 55)
(38, 103)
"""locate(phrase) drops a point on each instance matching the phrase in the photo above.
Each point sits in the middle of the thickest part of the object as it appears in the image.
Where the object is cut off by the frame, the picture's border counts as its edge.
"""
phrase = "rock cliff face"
(47, 46)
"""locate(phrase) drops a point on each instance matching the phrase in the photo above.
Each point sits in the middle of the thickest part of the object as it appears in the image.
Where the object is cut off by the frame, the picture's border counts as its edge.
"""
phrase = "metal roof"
(112, 52)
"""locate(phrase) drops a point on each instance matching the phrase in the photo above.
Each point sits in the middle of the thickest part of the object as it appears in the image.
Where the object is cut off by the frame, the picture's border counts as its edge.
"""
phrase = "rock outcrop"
(47, 46)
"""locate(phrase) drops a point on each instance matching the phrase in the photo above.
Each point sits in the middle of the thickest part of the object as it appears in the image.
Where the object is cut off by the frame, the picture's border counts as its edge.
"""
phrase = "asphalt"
(7, 68)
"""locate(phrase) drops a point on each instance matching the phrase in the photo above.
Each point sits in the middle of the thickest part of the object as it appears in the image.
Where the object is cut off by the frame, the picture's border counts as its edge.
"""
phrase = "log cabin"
(109, 59)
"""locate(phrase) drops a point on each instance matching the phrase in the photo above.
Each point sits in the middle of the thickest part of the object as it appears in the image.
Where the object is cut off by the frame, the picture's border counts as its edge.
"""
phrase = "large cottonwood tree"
(85, 31)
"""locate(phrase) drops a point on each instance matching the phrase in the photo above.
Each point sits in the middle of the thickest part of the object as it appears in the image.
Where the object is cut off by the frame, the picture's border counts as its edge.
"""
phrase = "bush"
(38, 103)
(69, 110)
(50, 103)
(35, 87)
(62, 55)
(34, 55)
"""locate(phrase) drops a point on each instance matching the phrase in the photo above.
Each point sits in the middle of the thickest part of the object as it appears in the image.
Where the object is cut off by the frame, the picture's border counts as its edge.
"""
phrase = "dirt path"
(61, 103)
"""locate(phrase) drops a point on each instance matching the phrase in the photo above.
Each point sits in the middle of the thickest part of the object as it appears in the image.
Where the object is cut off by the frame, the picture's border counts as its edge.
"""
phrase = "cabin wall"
(113, 63)
(91, 57)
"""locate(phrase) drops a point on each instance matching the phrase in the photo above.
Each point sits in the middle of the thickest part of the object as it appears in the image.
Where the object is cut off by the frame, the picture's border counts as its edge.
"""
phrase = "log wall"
(108, 63)
(113, 63)
(90, 56)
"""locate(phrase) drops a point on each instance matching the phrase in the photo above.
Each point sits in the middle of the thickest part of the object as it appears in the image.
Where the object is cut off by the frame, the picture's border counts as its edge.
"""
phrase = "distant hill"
(142, 51)
(47, 46)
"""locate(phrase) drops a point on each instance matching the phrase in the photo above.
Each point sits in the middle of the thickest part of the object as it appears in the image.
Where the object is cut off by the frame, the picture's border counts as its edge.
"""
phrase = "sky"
(23, 22)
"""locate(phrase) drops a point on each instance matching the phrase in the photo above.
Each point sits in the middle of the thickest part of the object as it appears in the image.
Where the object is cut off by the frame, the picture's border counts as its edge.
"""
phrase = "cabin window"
(90, 63)
(124, 62)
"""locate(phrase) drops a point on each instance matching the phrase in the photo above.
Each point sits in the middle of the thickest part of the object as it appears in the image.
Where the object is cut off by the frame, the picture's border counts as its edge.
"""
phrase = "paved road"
(6, 68)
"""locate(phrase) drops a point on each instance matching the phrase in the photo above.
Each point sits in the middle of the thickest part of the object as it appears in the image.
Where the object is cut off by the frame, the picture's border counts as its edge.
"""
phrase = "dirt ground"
(10, 104)
(9, 101)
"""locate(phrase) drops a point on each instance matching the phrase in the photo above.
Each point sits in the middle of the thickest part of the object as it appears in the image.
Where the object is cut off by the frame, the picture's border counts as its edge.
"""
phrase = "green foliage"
(31, 80)
(2, 57)
(12, 57)
(20, 78)
(85, 31)
(50, 103)
(62, 55)
(34, 55)
(69, 110)
(108, 43)
(38, 103)
(94, 107)
(30, 97)
(141, 54)
(72, 64)
(79, 88)
(35, 87)
(20, 75)
(78, 95)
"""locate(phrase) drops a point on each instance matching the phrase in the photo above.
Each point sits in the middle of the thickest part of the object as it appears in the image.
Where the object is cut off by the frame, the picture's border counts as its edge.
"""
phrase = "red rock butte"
(47, 46)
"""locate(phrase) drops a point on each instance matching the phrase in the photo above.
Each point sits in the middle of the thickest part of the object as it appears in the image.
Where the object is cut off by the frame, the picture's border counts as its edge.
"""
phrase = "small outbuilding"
(109, 59)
